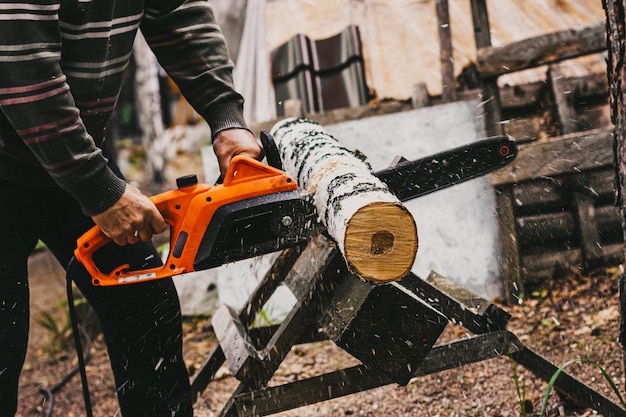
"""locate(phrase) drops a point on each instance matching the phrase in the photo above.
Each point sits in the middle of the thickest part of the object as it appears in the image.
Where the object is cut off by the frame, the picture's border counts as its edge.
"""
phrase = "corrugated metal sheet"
(400, 38)
(324, 74)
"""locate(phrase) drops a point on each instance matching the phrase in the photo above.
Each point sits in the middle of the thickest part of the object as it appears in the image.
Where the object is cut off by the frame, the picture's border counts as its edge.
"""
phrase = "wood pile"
(555, 202)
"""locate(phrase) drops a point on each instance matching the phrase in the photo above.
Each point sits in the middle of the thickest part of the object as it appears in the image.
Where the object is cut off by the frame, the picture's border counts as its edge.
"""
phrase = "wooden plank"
(260, 336)
(271, 400)
(564, 100)
(561, 156)
(589, 86)
(456, 303)
(524, 128)
(274, 276)
(241, 355)
(309, 266)
(201, 379)
(544, 263)
(609, 224)
(547, 195)
(545, 229)
(511, 267)
(490, 91)
(551, 228)
(445, 52)
(584, 203)
(541, 195)
(315, 283)
(541, 50)
(386, 327)
(517, 97)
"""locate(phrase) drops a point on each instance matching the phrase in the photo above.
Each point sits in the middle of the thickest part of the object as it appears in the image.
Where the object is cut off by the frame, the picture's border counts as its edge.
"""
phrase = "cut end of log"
(381, 242)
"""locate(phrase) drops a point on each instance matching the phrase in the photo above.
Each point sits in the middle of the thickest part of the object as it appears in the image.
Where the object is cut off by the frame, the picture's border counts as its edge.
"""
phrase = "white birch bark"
(375, 233)
(148, 103)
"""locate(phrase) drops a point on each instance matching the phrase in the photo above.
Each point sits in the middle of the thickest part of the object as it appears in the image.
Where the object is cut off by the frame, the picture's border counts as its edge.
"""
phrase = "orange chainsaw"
(258, 208)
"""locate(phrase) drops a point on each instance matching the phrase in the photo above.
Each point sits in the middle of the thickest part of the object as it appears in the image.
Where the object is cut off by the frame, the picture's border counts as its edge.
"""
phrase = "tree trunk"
(148, 102)
(616, 43)
(375, 233)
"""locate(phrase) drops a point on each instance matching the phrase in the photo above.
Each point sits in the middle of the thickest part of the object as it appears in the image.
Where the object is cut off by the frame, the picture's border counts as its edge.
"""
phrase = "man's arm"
(190, 46)
(36, 100)
(42, 119)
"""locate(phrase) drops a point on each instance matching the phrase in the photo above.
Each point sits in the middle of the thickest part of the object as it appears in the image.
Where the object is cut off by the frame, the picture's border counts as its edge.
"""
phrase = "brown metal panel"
(324, 74)
(292, 74)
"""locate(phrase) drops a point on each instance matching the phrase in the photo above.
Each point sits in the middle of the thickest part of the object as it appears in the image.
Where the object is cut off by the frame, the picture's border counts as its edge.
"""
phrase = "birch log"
(375, 233)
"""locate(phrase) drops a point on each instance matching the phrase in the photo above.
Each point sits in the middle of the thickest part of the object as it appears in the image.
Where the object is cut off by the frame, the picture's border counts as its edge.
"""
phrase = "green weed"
(568, 363)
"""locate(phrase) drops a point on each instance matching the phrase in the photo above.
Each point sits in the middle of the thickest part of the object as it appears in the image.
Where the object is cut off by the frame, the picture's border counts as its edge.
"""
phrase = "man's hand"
(232, 142)
(133, 218)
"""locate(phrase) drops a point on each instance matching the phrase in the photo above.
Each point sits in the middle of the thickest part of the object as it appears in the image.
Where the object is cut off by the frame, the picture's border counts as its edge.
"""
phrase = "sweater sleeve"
(36, 100)
(190, 46)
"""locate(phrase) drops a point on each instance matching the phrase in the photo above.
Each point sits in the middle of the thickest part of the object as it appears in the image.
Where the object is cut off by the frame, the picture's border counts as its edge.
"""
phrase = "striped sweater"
(62, 64)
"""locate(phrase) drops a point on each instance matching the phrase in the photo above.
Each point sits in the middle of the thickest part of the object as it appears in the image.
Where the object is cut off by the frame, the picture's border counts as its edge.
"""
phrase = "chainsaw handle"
(270, 151)
(94, 239)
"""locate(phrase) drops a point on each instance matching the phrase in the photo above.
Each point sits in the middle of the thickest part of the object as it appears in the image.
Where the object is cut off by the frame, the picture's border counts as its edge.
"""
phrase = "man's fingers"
(158, 224)
(135, 237)
(144, 236)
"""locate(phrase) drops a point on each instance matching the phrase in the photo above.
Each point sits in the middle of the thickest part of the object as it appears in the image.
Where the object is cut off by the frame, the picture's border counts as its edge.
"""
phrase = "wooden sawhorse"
(391, 328)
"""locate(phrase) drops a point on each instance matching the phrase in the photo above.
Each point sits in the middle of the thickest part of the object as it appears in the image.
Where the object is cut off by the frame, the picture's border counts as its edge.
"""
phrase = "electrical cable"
(82, 360)
(79, 350)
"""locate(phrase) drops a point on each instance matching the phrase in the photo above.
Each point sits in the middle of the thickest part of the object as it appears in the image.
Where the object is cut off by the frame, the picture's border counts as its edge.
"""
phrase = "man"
(61, 68)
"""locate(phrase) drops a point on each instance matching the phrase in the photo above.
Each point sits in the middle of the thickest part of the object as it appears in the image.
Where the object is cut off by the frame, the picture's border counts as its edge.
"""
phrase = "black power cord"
(79, 349)
(82, 360)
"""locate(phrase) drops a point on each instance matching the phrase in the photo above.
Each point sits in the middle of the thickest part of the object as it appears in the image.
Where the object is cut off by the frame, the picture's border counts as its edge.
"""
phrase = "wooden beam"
(386, 326)
(445, 52)
(541, 50)
(542, 265)
(552, 228)
(583, 202)
(563, 97)
(563, 155)
(490, 91)
(511, 267)
(241, 355)
(546, 195)
(569, 387)
(458, 304)
(272, 400)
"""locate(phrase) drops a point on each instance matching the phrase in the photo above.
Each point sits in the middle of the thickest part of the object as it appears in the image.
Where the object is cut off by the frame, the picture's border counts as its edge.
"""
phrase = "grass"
(521, 392)
(562, 368)
(59, 330)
